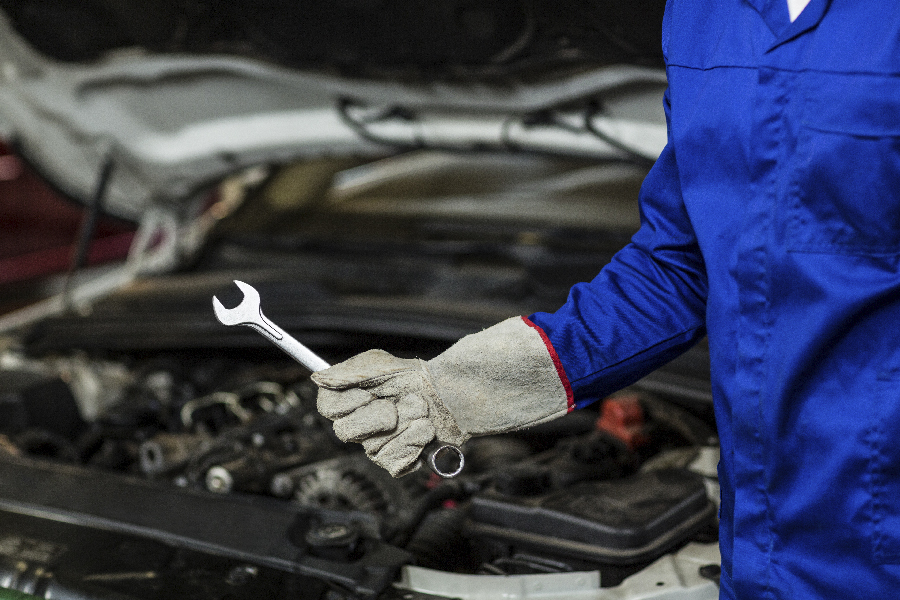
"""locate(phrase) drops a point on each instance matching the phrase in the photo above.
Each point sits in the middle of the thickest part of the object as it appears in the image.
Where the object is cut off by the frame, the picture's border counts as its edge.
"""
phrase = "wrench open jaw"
(444, 459)
(248, 312)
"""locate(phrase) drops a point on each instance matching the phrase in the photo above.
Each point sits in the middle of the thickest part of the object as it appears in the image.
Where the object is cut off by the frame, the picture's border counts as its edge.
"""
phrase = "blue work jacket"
(771, 223)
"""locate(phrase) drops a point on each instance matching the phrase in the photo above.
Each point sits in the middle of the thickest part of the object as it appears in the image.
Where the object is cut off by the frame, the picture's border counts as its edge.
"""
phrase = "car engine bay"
(202, 457)
(183, 455)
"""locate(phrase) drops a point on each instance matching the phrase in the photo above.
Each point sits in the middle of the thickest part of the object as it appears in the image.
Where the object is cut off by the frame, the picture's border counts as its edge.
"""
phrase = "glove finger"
(411, 407)
(400, 453)
(333, 405)
(360, 369)
(377, 417)
(376, 442)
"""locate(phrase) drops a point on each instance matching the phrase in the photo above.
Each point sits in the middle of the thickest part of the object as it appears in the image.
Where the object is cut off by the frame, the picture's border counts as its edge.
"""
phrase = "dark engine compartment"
(218, 474)
(146, 451)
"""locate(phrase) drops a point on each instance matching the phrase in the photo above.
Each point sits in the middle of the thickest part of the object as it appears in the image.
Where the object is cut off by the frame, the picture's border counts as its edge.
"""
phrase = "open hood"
(176, 96)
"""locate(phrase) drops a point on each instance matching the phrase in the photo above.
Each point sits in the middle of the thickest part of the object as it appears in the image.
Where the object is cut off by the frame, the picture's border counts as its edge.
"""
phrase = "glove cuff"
(500, 379)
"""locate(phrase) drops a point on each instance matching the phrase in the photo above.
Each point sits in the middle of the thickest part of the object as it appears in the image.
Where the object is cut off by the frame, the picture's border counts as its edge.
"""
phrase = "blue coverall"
(771, 223)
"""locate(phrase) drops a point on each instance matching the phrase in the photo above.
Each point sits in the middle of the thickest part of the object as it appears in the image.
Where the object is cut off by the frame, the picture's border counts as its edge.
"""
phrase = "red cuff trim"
(570, 397)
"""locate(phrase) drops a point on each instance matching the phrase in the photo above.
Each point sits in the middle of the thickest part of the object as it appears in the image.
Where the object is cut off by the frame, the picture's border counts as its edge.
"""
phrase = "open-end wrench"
(249, 313)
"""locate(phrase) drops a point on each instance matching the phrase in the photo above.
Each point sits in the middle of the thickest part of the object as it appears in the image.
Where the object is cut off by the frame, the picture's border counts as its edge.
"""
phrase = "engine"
(610, 488)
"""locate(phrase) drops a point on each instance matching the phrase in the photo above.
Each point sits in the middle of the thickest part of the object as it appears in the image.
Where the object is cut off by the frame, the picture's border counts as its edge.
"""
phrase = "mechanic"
(771, 224)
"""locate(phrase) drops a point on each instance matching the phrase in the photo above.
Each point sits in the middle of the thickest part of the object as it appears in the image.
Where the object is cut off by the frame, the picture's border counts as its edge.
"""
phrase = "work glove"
(503, 378)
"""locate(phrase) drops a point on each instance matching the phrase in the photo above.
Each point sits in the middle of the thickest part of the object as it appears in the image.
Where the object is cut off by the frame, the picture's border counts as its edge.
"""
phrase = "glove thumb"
(362, 369)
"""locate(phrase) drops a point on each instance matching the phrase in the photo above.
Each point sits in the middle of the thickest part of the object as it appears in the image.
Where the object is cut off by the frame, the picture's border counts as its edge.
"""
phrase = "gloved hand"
(500, 379)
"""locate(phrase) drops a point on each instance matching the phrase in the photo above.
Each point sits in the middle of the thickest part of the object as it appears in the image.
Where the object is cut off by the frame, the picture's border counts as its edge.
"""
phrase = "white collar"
(795, 7)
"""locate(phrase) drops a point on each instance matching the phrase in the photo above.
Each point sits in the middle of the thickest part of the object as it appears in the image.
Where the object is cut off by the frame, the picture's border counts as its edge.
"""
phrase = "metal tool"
(445, 459)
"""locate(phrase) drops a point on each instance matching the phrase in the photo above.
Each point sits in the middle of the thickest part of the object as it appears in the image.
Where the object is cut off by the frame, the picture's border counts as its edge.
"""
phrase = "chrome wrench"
(249, 313)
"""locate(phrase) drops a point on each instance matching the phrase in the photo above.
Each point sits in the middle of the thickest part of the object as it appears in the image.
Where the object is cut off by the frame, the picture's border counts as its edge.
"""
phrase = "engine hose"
(407, 526)
(438, 542)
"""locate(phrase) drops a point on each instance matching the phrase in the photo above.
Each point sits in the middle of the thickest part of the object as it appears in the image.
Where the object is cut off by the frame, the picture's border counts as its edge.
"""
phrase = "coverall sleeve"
(644, 308)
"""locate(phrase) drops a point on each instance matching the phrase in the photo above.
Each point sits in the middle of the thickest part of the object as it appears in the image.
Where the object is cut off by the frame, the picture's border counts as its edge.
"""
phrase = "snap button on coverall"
(771, 224)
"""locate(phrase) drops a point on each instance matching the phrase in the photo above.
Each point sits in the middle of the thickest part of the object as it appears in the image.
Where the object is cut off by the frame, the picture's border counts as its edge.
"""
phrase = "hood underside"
(175, 96)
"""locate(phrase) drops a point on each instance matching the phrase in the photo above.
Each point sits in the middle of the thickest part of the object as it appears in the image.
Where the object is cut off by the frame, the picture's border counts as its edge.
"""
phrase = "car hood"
(174, 119)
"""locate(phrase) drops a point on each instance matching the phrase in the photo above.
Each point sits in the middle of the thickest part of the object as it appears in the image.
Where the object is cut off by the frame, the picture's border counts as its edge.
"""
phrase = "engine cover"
(617, 522)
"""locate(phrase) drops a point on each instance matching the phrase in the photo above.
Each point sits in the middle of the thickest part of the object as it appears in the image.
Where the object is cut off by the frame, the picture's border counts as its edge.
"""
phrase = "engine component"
(43, 559)
(438, 542)
(673, 576)
(44, 443)
(495, 452)
(168, 452)
(623, 417)
(336, 541)
(264, 533)
(229, 401)
(351, 482)
(35, 401)
(336, 485)
(595, 455)
(249, 472)
(628, 521)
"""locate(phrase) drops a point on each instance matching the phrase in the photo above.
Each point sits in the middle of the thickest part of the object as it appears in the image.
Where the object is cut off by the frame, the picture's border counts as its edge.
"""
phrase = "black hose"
(408, 524)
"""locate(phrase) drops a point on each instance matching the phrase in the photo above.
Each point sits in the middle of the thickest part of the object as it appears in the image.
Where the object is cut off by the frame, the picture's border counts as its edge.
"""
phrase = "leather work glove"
(497, 380)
